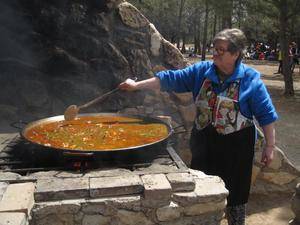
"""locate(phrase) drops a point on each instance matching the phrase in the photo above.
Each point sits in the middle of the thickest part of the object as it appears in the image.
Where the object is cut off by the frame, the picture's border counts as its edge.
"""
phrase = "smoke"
(16, 33)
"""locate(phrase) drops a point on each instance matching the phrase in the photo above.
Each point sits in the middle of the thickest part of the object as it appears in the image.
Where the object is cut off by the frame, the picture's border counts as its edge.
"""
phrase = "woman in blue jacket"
(228, 95)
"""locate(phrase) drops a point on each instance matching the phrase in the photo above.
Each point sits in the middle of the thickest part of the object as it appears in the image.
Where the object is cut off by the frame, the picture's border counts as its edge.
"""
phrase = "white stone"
(202, 208)
(155, 44)
(61, 189)
(43, 209)
(181, 181)
(157, 191)
(169, 212)
(198, 174)
(207, 190)
(18, 198)
(108, 173)
(113, 186)
(156, 186)
(156, 40)
(4, 176)
(13, 219)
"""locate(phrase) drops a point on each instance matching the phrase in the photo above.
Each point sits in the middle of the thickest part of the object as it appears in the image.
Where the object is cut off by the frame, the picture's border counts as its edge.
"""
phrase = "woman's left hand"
(267, 155)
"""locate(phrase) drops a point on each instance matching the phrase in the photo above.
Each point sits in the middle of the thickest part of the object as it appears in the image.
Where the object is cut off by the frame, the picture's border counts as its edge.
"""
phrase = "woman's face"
(221, 56)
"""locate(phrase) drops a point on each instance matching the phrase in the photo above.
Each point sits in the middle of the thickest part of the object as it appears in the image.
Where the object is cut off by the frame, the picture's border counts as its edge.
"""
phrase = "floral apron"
(222, 140)
(221, 111)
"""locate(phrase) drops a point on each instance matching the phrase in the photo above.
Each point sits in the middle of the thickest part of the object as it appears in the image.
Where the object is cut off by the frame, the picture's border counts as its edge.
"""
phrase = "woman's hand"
(132, 85)
(268, 152)
(128, 85)
(267, 155)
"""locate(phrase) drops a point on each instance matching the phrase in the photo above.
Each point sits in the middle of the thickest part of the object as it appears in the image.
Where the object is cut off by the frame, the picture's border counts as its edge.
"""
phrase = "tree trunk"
(215, 24)
(287, 74)
(227, 14)
(181, 5)
(183, 50)
(204, 40)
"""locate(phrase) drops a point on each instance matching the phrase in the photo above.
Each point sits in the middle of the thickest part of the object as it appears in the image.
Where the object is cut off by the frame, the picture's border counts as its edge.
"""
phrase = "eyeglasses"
(220, 51)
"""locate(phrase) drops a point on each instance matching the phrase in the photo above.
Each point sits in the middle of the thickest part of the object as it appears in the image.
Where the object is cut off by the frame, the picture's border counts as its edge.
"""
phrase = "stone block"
(114, 186)
(13, 219)
(132, 203)
(18, 198)
(207, 219)
(112, 172)
(95, 206)
(59, 189)
(181, 181)
(6, 176)
(133, 218)
(197, 174)
(202, 208)
(209, 189)
(156, 186)
(157, 190)
(170, 212)
(44, 209)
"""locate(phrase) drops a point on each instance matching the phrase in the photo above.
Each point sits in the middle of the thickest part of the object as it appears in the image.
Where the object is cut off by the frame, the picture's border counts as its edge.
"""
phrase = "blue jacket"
(254, 98)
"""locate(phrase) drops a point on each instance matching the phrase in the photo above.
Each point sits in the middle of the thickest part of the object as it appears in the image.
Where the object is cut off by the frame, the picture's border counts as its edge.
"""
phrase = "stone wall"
(296, 206)
(69, 52)
(153, 199)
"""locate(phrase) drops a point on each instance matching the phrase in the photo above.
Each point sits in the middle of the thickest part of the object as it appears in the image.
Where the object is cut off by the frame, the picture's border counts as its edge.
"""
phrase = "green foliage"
(258, 18)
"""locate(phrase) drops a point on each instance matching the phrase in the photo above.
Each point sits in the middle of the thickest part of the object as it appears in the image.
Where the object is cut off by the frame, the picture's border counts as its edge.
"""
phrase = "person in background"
(228, 95)
(280, 61)
(295, 55)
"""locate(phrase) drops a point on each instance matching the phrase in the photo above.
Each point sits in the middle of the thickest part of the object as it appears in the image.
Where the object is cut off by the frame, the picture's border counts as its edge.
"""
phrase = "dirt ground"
(268, 210)
(288, 125)
(275, 210)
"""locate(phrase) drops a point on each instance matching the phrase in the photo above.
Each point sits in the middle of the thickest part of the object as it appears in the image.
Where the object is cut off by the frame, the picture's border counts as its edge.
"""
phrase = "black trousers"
(227, 156)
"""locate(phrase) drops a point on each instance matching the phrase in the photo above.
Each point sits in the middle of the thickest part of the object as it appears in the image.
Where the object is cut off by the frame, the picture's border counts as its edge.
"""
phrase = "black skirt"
(227, 156)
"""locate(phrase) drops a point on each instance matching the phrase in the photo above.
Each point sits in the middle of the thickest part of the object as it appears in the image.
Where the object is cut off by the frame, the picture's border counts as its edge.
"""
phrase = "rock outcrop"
(57, 53)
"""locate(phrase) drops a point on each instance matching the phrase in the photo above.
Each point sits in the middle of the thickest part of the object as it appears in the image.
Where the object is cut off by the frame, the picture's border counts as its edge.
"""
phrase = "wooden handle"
(98, 98)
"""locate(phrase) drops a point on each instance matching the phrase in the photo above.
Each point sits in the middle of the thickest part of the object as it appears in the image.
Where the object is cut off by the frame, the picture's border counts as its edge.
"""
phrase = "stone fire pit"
(161, 193)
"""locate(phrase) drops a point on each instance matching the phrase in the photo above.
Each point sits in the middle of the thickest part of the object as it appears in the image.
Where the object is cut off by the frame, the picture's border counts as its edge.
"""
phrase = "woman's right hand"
(128, 85)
